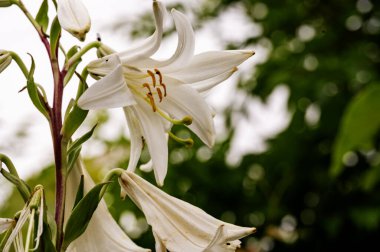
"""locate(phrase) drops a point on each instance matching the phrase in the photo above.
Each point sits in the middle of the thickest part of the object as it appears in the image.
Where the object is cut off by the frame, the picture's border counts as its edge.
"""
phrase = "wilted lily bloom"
(102, 233)
(157, 94)
(178, 225)
(34, 212)
(5, 59)
(74, 18)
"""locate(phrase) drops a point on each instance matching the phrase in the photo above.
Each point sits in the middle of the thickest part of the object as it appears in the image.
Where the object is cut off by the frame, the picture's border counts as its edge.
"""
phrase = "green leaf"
(77, 115)
(42, 17)
(34, 93)
(78, 143)
(73, 50)
(81, 215)
(72, 158)
(80, 191)
(360, 123)
(46, 244)
(55, 33)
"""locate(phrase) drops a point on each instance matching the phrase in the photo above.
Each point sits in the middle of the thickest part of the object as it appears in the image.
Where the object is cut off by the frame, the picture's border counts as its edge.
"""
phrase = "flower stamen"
(159, 93)
(150, 97)
(153, 77)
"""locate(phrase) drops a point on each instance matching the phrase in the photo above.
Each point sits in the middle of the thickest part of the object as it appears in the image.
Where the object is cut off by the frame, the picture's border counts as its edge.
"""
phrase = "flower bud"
(74, 18)
(5, 59)
(5, 3)
(104, 50)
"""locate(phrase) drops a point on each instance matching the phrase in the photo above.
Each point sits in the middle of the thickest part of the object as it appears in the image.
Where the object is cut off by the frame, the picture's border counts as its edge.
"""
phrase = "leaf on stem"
(42, 17)
(75, 148)
(82, 213)
(55, 34)
(76, 116)
(34, 93)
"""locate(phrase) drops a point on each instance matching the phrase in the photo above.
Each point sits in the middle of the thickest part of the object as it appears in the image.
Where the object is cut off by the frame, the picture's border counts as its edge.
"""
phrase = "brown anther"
(153, 77)
(159, 93)
(146, 85)
(151, 100)
(164, 86)
(159, 74)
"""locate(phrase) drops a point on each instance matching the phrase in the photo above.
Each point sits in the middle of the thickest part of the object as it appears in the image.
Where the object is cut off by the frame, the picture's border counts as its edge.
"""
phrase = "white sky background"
(16, 111)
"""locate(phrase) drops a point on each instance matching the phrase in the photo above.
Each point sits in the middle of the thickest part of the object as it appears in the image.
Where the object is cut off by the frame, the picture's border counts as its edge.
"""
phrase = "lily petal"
(109, 92)
(206, 85)
(153, 129)
(185, 47)
(210, 64)
(185, 101)
(150, 45)
(178, 225)
(136, 137)
(102, 233)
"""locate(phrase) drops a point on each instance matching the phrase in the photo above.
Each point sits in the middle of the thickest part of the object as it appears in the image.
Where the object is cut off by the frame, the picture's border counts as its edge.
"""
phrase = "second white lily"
(178, 225)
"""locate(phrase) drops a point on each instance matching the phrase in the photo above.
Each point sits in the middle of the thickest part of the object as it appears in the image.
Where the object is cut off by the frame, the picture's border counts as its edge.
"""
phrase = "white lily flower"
(156, 94)
(74, 18)
(34, 208)
(178, 225)
(102, 233)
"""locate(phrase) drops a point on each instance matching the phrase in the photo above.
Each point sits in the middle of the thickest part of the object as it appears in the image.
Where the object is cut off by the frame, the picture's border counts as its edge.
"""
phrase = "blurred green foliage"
(316, 186)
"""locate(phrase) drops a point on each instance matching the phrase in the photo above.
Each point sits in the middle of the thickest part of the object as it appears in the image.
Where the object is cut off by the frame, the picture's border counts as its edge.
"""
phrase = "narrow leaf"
(72, 158)
(78, 143)
(77, 115)
(55, 33)
(360, 123)
(81, 215)
(80, 191)
(34, 93)
(42, 17)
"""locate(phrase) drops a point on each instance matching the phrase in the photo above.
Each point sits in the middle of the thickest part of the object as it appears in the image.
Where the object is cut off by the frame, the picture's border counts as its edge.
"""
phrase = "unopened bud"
(74, 18)
(104, 50)
(5, 59)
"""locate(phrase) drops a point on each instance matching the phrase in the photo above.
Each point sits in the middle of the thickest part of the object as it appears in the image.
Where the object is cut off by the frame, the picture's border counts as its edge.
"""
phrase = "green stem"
(38, 28)
(79, 54)
(7, 161)
(108, 178)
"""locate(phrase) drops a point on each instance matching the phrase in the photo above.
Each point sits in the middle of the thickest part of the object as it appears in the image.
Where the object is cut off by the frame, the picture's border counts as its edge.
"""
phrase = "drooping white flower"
(102, 233)
(178, 225)
(157, 94)
(74, 18)
(34, 212)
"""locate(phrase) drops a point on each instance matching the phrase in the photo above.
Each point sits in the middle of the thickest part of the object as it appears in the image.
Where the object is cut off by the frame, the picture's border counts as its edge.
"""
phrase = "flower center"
(155, 89)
